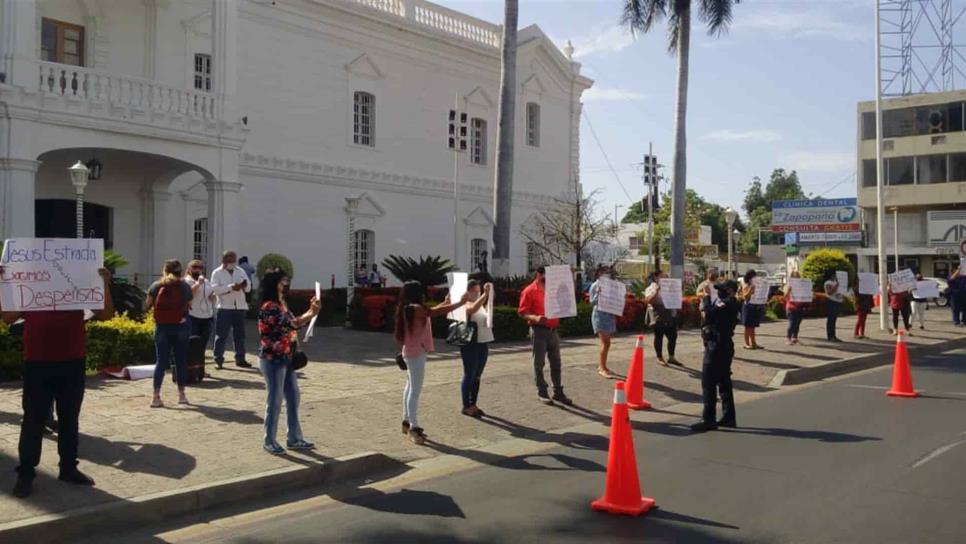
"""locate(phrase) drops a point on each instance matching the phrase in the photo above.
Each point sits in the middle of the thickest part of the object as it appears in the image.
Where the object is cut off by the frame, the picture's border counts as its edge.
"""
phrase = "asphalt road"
(833, 462)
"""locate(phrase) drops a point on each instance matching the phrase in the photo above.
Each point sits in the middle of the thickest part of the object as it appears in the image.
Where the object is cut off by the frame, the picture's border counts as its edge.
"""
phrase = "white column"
(224, 27)
(224, 218)
(17, 188)
(160, 202)
(150, 37)
(19, 43)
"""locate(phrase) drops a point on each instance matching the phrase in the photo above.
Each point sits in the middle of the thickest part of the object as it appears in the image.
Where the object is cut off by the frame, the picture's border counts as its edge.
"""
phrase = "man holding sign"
(53, 339)
(545, 342)
(957, 295)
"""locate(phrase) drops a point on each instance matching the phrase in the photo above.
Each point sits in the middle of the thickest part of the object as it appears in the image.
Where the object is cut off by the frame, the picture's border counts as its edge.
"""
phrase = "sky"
(779, 90)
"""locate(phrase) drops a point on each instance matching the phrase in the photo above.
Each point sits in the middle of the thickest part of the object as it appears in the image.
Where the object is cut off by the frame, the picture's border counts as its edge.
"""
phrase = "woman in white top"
(474, 355)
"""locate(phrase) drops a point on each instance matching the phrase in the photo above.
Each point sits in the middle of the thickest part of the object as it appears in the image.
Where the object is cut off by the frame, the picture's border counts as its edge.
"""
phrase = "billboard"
(946, 227)
(820, 215)
(848, 237)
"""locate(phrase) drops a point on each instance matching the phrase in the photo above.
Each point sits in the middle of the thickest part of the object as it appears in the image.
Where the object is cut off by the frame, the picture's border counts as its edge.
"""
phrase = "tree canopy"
(757, 205)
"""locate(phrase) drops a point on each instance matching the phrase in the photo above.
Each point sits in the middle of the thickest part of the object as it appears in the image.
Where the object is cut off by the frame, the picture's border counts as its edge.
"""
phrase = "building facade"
(924, 175)
(318, 129)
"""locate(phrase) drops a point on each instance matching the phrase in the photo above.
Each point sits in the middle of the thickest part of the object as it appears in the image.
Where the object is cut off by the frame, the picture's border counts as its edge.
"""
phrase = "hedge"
(816, 309)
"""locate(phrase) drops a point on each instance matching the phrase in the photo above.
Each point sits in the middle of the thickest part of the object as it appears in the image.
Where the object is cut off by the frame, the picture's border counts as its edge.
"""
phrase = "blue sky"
(778, 91)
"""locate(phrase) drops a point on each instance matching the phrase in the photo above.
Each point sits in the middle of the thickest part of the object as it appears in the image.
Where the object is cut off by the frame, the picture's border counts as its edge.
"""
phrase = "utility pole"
(650, 180)
(879, 190)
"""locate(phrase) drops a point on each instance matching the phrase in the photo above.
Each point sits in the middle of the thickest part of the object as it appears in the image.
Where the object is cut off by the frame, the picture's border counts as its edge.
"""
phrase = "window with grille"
(363, 119)
(478, 141)
(634, 242)
(364, 248)
(61, 42)
(203, 72)
(200, 240)
(479, 249)
(533, 124)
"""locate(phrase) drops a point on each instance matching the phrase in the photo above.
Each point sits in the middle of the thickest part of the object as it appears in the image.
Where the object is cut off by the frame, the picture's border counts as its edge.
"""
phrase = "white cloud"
(814, 23)
(728, 135)
(818, 161)
(609, 39)
(612, 94)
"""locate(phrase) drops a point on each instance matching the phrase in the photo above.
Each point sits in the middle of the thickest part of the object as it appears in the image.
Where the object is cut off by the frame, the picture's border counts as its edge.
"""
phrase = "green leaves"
(429, 271)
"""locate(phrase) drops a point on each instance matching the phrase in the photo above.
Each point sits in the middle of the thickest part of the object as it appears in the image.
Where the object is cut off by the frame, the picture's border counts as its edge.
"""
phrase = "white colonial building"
(267, 126)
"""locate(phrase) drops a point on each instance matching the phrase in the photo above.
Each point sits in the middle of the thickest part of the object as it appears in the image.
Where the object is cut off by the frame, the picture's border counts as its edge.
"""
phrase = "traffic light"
(457, 130)
(651, 179)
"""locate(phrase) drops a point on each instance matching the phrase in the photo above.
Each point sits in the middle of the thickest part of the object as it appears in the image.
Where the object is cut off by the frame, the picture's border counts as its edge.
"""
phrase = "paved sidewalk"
(351, 402)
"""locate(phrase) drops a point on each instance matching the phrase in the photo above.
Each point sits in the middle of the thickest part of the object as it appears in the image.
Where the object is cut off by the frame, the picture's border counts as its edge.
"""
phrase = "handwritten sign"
(843, 278)
(46, 274)
(801, 289)
(559, 300)
(458, 282)
(868, 283)
(760, 296)
(926, 289)
(902, 281)
(671, 293)
(309, 332)
(611, 296)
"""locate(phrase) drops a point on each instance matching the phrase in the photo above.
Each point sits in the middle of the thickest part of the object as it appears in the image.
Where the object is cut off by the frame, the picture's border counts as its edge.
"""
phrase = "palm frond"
(641, 15)
(673, 27)
(429, 271)
(717, 14)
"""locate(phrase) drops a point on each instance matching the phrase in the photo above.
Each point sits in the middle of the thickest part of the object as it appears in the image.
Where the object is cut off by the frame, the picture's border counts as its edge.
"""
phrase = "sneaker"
(274, 449)
(74, 476)
(243, 364)
(219, 364)
(405, 427)
(156, 403)
(417, 435)
(672, 361)
(23, 488)
(543, 397)
(703, 426)
(300, 445)
(562, 399)
(51, 425)
(729, 423)
(468, 411)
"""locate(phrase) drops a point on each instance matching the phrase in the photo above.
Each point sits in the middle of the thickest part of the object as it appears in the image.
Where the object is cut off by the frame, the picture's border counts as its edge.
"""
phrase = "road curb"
(125, 514)
(866, 361)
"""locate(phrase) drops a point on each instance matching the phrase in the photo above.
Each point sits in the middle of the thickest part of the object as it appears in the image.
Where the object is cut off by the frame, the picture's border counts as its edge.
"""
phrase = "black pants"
(660, 331)
(43, 383)
(716, 379)
(832, 316)
(904, 310)
(794, 323)
(202, 327)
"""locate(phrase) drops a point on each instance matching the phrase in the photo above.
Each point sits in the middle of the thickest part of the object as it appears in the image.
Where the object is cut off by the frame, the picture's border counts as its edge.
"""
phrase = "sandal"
(605, 373)
(156, 403)
(661, 361)
(182, 398)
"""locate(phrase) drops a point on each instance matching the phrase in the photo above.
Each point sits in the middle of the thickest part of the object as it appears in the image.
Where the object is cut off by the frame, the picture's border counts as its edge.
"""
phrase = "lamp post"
(730, 217)
(352, 205)
(78, 177)
(734, 235)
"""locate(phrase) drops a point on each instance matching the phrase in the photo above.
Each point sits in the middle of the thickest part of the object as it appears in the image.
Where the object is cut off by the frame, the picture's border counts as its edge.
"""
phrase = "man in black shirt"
(720, 318)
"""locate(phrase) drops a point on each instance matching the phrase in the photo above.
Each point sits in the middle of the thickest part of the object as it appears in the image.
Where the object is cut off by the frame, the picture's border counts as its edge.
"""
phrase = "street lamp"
(734, 235)
(351, 207)
(730, 217)
(78, 177)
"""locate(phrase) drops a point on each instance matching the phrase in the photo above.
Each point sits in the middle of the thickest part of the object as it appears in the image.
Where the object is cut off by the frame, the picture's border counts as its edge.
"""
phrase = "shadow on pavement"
(519, 462)
(570, 439)
(228, 415)
(156, 459)
(821, 436)
(405, 501)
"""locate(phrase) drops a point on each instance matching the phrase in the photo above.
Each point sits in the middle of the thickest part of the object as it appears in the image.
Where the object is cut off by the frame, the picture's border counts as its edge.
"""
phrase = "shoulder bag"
(461, 333)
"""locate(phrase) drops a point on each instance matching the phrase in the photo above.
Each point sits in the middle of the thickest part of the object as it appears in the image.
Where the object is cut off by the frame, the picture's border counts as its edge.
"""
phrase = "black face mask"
(177, 273)
(286, 289)
(196, 274)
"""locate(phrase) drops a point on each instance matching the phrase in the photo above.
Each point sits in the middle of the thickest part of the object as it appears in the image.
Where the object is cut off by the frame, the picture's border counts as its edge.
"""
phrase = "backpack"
(170, 305)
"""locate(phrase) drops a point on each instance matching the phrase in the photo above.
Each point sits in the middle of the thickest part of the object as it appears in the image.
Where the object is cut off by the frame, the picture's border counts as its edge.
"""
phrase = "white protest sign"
(902, 281)
(311, 330)
(44, 274)
(671, 293)
(926, 289)
(843, 278)
(611, 296)
(457, 288)
(868, 283)
(801, 289)
(760, 296)
(559, 300)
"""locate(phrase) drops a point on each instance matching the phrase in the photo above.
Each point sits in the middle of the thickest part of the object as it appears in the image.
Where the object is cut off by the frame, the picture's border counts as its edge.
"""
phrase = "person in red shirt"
(544, 339)
(54, 369)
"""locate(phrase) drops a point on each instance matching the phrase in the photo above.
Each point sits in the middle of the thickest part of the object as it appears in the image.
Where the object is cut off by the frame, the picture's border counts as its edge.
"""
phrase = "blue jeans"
(168, 338)
(959, 309)
(233, 320)
(415, 370)
(474, 360)
(280, 381)
(794, 323)
(832, 313)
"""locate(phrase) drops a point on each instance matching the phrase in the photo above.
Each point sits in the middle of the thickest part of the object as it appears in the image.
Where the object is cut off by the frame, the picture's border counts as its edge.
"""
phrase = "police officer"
(720, 318)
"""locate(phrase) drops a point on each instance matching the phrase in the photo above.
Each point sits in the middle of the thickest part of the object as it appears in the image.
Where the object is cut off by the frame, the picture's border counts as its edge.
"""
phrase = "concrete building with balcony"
(924, 155)
(265, 126)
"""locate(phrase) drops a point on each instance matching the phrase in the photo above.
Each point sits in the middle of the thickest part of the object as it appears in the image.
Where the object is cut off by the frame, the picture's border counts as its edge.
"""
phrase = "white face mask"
(605, 276)
(230, 267)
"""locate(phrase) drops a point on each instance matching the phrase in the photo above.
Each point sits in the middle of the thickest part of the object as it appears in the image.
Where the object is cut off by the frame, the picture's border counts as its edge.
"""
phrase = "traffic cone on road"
(901, 375)
(622, 494)
(635, 378)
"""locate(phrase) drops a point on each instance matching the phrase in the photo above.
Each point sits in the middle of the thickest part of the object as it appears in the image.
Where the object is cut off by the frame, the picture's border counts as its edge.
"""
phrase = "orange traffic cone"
(622, 494)
(635, 378)
(901, 375)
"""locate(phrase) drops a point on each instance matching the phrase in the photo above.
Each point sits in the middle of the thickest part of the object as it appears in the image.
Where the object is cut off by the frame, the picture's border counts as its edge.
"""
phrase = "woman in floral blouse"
(277, 329)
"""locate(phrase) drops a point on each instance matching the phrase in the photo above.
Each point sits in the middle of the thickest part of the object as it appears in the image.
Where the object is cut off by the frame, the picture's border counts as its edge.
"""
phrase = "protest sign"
(868, 283)
(926, 289)
(843, 278)
(457, 288)
(611, 296)
(760, 296)
(671, 293)
(801, 289)
(45, 274)
(559, 299)
(902, 281)
(310, 331)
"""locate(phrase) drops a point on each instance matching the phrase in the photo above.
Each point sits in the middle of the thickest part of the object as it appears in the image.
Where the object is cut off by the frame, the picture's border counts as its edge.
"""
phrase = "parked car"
(943, 299)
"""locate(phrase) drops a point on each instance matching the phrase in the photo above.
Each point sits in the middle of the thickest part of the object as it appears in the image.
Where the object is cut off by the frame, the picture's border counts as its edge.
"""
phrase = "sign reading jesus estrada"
(43, 274)
(820, 215)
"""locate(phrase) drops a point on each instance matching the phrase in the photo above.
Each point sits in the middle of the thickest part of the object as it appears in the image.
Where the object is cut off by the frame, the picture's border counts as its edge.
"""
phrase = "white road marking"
(938, 451)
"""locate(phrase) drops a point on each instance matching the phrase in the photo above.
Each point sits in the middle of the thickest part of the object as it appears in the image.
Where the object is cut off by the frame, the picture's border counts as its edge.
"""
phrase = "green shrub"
(820, 262)
(507, 325)
(271, 261)
(581, 325)
(11, 355)
(121, 341)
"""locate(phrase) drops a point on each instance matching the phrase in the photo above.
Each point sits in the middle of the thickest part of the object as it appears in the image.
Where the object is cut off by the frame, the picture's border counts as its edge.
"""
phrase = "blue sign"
(791, 238)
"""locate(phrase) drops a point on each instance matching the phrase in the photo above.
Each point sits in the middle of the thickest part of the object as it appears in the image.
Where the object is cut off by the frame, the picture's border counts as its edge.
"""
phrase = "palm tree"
(503, 184)
(641, 16)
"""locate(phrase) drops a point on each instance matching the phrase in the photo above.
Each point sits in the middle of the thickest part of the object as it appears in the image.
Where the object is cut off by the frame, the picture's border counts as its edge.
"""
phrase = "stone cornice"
(23, 165)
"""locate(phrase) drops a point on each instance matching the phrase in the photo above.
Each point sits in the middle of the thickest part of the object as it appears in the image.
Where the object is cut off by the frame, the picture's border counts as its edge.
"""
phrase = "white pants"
(416, 367)
(919, 313)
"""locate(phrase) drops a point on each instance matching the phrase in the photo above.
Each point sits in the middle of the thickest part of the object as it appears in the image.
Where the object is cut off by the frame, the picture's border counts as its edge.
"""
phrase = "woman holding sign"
(605, 324)
(662, 319)
(750, 312)
(794, 309)
(474, 355)
(900, 305)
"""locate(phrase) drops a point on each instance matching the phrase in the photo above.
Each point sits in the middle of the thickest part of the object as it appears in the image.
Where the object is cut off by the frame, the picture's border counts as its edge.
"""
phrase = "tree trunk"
(679, 183)
(503, 184)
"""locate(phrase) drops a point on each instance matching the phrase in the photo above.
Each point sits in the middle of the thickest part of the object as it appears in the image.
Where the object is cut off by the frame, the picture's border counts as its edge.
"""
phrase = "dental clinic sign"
(820, 215)
(44, 274)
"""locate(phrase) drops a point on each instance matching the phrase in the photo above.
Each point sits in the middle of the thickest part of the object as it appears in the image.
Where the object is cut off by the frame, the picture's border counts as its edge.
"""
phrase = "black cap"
(727, 284)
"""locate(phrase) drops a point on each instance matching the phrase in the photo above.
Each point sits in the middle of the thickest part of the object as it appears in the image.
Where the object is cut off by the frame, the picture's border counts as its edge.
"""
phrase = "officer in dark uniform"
(720, 318)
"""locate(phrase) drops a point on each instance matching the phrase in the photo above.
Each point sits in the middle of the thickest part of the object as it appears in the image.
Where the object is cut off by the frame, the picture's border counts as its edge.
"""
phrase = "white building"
(265, 126)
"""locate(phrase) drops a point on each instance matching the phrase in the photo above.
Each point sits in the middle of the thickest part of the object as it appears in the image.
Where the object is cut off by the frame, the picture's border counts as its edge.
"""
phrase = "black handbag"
(299, 358)
(401, 362)
(461, 333)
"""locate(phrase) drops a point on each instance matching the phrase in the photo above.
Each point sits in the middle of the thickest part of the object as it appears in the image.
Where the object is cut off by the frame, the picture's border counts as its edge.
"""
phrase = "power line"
(606, 158)
(847, 178)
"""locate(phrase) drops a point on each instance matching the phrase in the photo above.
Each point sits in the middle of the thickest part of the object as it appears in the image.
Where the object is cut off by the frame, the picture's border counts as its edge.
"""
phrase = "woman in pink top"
(414, 333)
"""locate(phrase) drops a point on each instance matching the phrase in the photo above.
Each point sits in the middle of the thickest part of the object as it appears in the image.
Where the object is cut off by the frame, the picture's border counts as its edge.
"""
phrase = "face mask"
(230, 267)
(196, 274)
(605, 276)
(286, 289)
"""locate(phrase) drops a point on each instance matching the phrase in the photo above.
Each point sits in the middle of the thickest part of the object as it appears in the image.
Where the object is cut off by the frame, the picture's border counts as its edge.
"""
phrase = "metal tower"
(918, 48)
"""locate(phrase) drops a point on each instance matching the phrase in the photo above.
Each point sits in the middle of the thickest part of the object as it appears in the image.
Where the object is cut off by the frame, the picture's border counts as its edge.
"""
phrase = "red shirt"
(53, 336)
(531, 303)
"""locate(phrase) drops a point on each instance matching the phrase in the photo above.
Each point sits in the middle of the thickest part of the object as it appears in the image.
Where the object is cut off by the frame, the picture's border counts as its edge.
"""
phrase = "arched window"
(533, 124)
(364, 248)
(480, 253)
